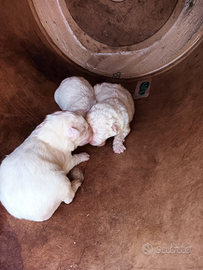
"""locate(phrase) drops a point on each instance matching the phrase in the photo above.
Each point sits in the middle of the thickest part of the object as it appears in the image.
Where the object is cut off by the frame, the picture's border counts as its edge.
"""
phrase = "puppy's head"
(103, 124)
(64, 130)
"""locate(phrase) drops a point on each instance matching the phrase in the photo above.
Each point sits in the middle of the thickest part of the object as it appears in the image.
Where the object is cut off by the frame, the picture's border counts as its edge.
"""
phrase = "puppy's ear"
(72, 132)
(114, 128)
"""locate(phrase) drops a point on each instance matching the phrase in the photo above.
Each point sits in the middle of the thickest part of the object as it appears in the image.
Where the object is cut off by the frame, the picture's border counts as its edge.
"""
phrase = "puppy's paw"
(84, 156)
(118, 148)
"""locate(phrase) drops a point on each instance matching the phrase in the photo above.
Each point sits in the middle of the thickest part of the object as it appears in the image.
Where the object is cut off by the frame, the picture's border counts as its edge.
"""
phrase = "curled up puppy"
(111, 115)
(75, 94)
(33, 180)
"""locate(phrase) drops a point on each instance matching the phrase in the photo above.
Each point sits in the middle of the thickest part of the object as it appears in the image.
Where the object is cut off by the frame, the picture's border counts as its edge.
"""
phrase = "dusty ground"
(151, 194)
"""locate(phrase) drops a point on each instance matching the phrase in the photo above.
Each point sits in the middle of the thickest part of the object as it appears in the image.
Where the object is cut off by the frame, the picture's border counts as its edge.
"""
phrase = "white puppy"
(111, 115)
(75, 94)
(33, 179)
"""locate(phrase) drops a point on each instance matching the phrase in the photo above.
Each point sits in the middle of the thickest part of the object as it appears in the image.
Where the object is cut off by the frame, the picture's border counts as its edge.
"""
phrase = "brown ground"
(152, 193)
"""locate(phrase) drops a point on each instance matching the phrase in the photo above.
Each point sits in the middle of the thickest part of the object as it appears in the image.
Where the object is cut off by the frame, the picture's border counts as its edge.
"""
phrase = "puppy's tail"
(76, 173)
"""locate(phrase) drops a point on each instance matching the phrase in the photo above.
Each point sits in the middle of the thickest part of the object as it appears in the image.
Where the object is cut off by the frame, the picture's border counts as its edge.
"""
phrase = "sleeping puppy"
(111, 115)
(75, 94)
(33, 179)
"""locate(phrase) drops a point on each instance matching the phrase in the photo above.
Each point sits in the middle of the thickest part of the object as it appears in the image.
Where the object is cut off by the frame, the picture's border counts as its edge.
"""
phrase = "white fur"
(111, 115)
(75, 94)
(33, 179)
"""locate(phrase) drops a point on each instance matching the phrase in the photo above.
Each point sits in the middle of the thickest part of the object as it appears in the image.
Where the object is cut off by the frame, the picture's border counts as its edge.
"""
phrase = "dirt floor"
(139, 210)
